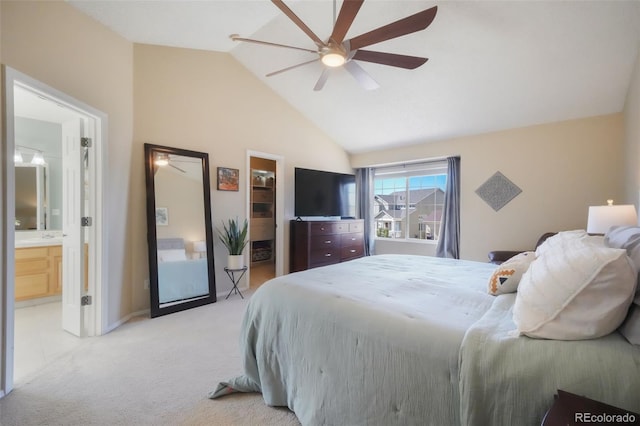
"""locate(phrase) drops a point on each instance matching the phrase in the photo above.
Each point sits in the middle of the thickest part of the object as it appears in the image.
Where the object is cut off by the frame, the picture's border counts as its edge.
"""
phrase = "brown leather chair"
(499, 256)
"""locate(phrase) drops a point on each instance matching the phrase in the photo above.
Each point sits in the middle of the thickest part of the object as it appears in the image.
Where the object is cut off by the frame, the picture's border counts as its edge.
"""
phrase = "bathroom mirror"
(32, 194)
(179, 232)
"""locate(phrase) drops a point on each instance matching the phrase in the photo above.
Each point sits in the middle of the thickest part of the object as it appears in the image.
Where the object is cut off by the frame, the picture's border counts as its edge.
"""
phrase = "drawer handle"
(327, 242)
(327, 255)
(322, 228)
(352, 251)
(353, 239)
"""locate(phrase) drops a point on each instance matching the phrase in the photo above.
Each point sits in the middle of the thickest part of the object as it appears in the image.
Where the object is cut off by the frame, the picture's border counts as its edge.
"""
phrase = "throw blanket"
(510, 380)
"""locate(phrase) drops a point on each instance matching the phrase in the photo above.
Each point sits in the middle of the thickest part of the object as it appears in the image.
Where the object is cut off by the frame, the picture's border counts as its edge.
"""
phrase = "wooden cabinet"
(324, 243)
(38, 272)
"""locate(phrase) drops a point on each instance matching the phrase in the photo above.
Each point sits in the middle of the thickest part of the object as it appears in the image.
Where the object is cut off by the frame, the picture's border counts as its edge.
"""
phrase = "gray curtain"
(364, 186)
(449, 240)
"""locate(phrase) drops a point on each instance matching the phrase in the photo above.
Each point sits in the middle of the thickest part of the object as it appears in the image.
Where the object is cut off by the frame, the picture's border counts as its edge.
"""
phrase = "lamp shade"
(601, 218)
(199, 246)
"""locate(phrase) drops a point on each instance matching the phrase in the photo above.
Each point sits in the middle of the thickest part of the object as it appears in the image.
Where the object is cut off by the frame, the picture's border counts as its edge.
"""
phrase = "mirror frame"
(43, 214)
(152, 240)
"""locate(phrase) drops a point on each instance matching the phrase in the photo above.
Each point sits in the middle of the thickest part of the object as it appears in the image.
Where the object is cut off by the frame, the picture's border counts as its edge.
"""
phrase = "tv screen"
(320, 193)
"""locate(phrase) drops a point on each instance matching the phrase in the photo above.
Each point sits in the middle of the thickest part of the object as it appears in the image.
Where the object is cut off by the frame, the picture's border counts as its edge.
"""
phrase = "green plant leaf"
(233, 237)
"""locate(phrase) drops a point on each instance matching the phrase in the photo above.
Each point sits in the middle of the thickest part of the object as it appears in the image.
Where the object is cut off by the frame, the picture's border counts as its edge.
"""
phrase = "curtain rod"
(408, 163)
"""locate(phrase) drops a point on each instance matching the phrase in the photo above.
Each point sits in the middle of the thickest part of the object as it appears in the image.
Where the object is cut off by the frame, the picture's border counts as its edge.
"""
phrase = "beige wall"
(632, 138)
(562, 168)
(63, 48)
(206, 101)
(191, 99)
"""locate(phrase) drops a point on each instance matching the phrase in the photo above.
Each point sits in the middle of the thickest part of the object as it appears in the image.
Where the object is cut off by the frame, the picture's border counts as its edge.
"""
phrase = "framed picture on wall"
(162, 216)
(228, 179)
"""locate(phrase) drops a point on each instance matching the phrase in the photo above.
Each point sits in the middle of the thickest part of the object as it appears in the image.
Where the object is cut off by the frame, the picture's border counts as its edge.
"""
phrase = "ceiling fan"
(162, 159)
(338, 52)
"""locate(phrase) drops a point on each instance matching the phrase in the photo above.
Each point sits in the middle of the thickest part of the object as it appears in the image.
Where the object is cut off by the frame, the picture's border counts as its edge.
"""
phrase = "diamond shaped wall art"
(497, 191)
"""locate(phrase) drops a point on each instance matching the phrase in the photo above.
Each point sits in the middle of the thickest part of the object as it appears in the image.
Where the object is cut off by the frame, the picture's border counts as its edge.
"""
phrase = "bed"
(180, 278)
(404, 340)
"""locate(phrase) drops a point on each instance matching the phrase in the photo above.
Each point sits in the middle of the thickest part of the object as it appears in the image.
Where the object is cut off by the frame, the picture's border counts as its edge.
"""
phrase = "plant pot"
(235, 261)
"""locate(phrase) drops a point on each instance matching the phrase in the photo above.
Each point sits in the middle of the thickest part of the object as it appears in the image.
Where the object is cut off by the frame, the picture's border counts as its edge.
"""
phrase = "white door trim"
(98, 279)
(279, 159)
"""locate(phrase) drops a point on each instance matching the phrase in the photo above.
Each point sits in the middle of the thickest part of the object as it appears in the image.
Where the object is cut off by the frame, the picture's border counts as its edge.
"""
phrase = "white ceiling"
(492, 65)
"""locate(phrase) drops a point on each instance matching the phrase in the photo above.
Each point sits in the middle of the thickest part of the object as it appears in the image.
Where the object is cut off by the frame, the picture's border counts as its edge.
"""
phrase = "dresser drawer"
(352, 252)
(349, 240)
(356, 227)
(324, 257)
(320, 242)
(324, 228)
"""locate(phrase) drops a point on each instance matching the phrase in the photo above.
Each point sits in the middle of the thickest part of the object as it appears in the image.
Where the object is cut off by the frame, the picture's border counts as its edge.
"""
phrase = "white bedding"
(370, 341)
(414, 340)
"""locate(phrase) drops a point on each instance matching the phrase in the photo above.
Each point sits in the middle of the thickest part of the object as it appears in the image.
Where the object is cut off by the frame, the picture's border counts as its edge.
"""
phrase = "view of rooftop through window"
(408, 204)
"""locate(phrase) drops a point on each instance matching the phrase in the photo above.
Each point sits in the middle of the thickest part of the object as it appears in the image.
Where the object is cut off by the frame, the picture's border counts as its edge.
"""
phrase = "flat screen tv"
(324, 194)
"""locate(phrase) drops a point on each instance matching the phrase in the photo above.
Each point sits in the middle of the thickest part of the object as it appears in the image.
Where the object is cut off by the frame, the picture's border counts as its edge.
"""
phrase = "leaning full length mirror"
(179, 232)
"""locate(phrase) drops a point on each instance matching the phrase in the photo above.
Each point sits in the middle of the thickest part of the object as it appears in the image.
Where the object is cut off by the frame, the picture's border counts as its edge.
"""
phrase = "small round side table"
(235, 279)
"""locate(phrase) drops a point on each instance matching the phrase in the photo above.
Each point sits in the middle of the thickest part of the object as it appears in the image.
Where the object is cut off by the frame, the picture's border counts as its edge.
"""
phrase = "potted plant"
(234, 239)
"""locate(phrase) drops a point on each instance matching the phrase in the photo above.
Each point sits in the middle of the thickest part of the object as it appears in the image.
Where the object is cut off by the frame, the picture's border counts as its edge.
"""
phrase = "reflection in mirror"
(32, 194)
(180, 238)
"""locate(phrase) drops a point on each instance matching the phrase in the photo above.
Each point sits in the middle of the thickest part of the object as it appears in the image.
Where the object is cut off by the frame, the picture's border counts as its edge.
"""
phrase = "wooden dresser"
(316, 243)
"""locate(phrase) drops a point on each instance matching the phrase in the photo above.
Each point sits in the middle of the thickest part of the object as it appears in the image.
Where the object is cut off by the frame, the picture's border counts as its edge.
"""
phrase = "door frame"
(279, 159)
(98, 242)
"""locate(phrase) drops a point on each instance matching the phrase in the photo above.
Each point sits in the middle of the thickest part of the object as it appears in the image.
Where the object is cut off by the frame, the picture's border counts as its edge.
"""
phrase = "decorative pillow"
(171, 255)
(630, 328)
(625, 237)
(628, 238)
(506, 277)
(561, 237)
(576, 289)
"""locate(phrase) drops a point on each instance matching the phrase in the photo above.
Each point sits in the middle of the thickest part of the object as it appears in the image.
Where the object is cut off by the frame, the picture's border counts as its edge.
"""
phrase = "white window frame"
(406, 171)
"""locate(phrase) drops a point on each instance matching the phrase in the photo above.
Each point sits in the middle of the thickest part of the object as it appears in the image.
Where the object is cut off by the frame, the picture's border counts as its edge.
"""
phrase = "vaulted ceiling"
(492, 65)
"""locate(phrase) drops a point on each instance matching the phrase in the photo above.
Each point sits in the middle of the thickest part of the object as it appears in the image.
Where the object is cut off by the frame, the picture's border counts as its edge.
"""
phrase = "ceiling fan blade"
(177, 168)
(285, 9)
(235, 37)
(322, 80)
(365, 80)
(292, 67)
(391, 59)
(408, 25)
(348, 13)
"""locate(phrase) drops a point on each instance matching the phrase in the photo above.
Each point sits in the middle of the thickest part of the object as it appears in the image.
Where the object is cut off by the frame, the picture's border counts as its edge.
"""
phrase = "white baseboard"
(126, 318)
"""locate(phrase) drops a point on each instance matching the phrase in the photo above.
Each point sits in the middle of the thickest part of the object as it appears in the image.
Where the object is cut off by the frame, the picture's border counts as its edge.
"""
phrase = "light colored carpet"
(147, 372)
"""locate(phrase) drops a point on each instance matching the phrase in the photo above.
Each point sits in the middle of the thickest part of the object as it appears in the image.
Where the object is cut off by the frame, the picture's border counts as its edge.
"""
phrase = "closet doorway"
(265, 217)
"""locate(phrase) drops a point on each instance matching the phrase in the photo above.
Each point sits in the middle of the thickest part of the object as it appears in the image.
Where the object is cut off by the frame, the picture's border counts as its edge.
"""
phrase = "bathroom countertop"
(38, 242)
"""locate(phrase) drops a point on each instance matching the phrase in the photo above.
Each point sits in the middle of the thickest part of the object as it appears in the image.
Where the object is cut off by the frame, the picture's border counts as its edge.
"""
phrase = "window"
(408, 200)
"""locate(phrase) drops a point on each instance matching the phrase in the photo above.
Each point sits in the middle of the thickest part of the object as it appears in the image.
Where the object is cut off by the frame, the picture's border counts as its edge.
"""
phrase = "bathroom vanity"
(38, 271)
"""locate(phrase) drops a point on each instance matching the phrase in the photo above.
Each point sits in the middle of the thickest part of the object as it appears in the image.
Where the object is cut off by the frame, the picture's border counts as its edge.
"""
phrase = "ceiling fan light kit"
(337, 52)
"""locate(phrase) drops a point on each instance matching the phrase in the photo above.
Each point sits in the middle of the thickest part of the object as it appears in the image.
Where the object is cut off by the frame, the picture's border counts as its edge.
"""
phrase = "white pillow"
(576, 289)
(625, 237)
(506, 277)
(628, 238)
(561, 237)
(171, 255)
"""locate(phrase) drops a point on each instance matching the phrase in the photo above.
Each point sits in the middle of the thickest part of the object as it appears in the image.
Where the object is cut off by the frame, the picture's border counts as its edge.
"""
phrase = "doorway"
(56, 262)
(265, 213)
